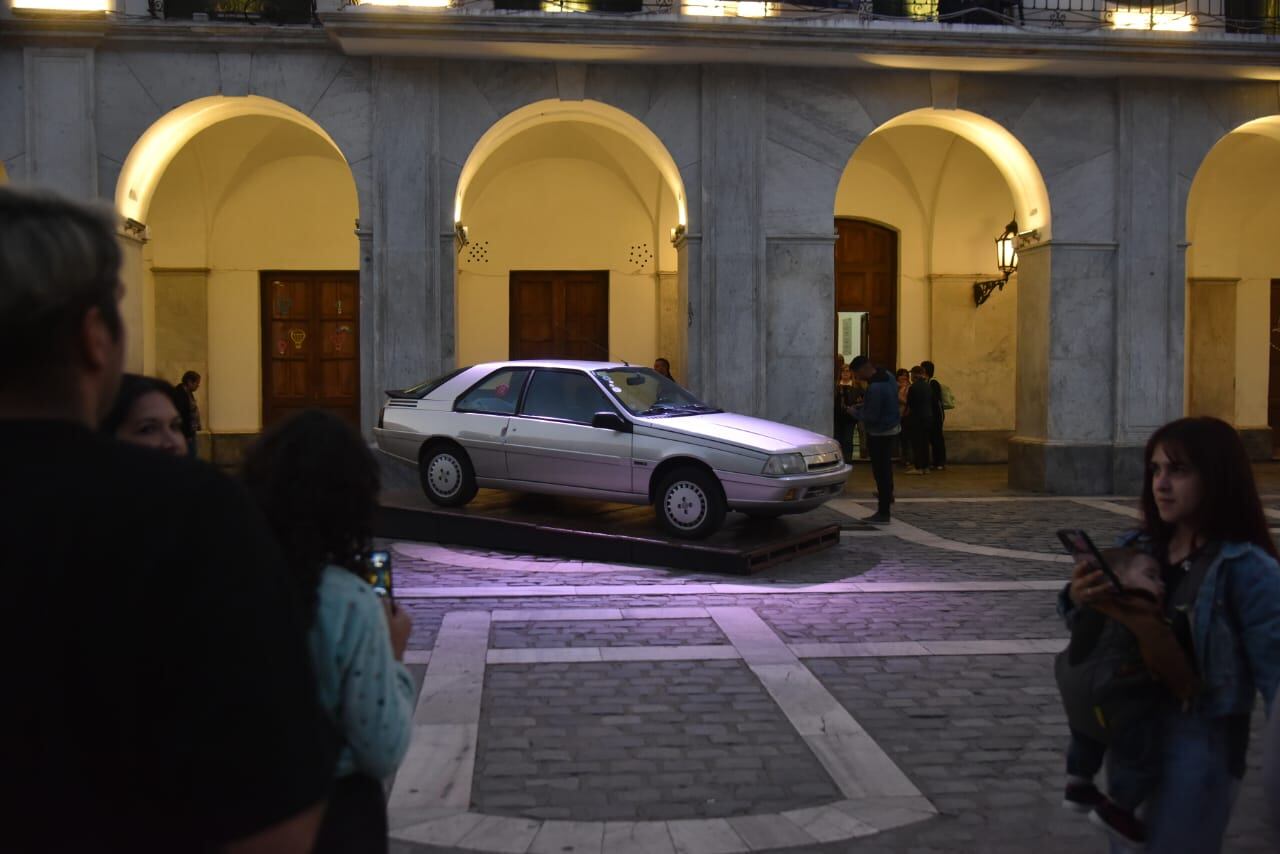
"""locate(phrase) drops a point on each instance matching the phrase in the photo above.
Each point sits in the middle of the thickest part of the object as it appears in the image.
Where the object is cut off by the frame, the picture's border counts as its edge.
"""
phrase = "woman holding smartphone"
(317, 483)
(1203, 519)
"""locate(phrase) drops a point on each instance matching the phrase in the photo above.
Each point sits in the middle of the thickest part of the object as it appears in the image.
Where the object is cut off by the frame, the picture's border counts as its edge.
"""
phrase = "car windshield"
(645, 392)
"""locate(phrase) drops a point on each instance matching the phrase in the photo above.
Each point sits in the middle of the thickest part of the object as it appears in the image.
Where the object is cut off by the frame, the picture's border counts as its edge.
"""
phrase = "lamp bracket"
(1028, 238)
(982, 290)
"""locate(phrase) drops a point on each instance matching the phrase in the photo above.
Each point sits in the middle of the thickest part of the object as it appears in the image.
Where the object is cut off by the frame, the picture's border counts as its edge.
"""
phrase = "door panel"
(483, 435)
(551, 439)
(866, 272)
(559, 315)
(1273, 384)
(310, 344)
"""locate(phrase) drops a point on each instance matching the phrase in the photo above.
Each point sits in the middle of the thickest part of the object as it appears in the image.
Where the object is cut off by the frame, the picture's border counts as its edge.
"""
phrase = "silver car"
(609, 431)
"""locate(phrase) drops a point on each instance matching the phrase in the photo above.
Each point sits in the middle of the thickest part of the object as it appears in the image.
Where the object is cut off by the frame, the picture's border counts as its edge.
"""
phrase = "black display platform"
(602, 531)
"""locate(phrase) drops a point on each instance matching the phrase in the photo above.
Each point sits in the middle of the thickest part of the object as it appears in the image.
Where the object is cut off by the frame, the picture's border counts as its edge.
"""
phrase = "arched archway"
(567, 214)
(248, 273)
(1233, 284)
(943, 184)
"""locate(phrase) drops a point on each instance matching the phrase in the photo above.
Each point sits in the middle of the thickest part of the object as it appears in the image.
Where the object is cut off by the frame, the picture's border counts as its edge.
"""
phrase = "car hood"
(757, 433)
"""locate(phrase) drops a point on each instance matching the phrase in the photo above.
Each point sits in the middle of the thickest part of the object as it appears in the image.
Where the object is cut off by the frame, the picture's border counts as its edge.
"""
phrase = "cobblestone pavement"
(666, 740)
(662, 740)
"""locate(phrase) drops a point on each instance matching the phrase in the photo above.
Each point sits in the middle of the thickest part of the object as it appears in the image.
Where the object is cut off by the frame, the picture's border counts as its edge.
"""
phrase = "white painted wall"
(566, 196)
(948, 203)
(248, 195)
(1232, 213)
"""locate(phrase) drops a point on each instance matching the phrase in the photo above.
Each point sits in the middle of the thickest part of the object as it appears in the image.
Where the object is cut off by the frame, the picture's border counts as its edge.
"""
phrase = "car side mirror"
(610, 421)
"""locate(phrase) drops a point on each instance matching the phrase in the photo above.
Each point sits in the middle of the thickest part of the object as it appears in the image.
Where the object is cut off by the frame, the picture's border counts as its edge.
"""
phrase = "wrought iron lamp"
(1006, 260)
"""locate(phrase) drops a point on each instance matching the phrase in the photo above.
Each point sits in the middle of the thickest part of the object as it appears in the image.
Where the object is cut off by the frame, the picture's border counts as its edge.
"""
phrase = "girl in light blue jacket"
(1203, 517)
(317, 483)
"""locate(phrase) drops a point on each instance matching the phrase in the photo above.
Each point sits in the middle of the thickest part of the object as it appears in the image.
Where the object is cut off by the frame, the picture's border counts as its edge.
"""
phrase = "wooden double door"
(867, 281)
(310, 344)
(559, 314)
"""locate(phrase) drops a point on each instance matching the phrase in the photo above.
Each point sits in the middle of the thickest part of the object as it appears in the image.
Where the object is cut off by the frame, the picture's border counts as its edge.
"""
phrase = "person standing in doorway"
(185, 396)
(663, 367)
(937, 442)
(920, 411)
(845, 400)
(879, 415)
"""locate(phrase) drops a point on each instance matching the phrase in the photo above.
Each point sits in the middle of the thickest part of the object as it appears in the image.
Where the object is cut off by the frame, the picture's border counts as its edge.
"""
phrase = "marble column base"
(1063, 468)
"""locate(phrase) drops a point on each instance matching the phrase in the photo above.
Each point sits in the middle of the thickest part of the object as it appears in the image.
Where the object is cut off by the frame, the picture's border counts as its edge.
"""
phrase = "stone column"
(799, 336)
(1150, 292)
(61, 144)
(131, 239)
(690, 334)
(370, 391)
(410, 304)
(727, 332)
(1066, 358)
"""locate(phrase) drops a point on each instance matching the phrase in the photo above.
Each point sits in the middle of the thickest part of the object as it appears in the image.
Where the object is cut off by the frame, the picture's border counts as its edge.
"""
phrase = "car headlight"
(786, 464)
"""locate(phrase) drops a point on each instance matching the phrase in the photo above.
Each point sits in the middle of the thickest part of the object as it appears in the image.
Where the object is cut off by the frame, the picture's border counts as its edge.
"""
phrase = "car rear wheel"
(447, 476)
(690, 503)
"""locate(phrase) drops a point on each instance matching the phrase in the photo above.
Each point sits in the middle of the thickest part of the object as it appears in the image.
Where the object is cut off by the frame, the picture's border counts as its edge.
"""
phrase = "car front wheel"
(690, 503)
(447, 476)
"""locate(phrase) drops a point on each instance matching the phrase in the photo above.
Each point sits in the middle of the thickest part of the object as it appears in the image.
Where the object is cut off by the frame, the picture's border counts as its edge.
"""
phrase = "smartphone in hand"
(1079, 545)
(378, 574)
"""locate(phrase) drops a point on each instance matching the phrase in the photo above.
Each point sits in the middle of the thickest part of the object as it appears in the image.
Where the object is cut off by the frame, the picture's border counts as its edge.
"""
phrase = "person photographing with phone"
(1203, 521)
(1122, 664)
(317, 484)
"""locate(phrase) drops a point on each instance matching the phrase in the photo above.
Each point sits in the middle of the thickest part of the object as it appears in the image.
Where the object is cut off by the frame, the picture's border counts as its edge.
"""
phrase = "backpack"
(947, 397)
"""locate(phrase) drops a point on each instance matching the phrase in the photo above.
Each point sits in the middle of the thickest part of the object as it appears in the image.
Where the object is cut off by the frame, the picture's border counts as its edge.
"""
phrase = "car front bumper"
(793, 493)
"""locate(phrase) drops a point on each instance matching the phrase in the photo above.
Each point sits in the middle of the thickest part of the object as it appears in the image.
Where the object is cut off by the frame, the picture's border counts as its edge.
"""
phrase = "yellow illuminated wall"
(948, 202)
(567, 196)
(1232, 212)
(246, 195)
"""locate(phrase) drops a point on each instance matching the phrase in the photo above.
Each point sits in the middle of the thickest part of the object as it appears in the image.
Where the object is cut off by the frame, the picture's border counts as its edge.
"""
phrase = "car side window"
(497, 393)
(565, 395)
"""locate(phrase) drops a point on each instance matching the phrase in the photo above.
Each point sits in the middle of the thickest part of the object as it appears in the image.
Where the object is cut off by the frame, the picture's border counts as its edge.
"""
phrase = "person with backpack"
(943, 400)
(1203, 520)
(1122, 663)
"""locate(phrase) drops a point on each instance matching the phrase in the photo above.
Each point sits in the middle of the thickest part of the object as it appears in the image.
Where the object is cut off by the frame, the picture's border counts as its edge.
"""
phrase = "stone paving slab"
(983, 739)
(857, 618)
(822, 618)
(528, 635)
(639, 741)
(1023, 525)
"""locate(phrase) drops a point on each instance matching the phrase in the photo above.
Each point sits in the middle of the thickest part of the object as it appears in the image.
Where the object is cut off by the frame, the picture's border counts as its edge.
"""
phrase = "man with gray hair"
(159, 695)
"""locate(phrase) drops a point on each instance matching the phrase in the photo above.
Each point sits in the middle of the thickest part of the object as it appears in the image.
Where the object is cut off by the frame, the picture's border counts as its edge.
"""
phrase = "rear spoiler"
(400, 394)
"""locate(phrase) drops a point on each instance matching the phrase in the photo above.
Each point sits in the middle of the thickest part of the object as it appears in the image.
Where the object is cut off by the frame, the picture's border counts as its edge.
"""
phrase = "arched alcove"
(569, 197)
(1233, 267)
(249, 271)
(946, 183)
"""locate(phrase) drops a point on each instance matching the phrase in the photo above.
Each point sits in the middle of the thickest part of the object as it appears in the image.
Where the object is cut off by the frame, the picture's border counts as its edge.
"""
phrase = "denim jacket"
(1235, 629)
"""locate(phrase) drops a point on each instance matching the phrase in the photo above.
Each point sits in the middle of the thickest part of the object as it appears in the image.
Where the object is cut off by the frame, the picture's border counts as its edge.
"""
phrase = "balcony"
(1231, 16)
(244, 11)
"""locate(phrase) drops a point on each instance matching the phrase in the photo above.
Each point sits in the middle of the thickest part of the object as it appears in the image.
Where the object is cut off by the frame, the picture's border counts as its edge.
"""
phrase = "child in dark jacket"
(1119, 668)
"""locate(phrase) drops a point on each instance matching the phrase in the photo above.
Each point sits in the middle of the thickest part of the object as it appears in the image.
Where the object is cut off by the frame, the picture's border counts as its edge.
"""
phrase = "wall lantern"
(1006, 261)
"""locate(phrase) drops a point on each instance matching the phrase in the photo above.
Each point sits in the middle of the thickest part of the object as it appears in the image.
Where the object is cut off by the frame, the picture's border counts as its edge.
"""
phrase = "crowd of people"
(194, 662)
(197, 662)
(923, 402)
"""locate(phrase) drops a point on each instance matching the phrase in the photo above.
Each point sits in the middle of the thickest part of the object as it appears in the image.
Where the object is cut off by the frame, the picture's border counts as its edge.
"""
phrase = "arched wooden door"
(867, 282)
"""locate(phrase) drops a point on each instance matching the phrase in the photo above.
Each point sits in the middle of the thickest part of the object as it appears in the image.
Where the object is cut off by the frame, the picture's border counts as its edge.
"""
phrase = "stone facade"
(760, 149)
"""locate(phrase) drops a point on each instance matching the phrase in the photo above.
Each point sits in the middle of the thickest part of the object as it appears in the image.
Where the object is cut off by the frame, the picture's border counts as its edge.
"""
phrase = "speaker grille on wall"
(478, 252)
(640, 255)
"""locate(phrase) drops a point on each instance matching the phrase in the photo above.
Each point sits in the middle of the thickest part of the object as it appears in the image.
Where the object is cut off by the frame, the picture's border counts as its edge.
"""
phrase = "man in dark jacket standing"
(879, 416)
(184, 396)
(921, 410)
(937, 442)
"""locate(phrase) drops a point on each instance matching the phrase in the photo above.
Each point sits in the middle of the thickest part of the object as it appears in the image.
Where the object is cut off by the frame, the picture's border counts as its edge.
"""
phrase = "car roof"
(577, 364)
